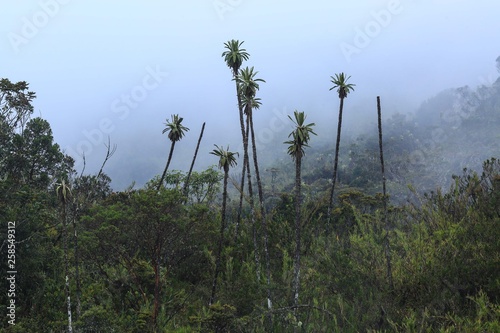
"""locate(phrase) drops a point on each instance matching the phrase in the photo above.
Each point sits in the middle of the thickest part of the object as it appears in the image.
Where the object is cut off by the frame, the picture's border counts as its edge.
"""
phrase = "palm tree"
(248, 87)
(226, 160)
(343, 89)
(387, 248)
(63, 193)
(300, 139)
(234, 57)
(175, 131)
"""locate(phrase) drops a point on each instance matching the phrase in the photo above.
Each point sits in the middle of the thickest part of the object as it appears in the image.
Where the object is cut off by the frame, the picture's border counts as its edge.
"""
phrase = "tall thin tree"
(186, 183)
(248, 87)
(296, 149)
(343, 89)
(227, 159)
(175, 131)
(64, 193)
(246, 161)
(387, 247)
(234, 57)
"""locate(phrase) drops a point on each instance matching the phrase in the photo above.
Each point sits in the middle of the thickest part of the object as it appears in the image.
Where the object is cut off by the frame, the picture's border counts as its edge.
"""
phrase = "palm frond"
(340, 82)
(175, 129)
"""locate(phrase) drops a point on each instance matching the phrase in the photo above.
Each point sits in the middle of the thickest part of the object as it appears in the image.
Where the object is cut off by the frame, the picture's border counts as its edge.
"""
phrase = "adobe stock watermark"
(11, 272)
(223, 6)
(121, 108)
(32, 24)
(365, 35)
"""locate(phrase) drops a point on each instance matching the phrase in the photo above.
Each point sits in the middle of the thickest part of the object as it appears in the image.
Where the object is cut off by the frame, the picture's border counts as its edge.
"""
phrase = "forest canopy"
(336, 238)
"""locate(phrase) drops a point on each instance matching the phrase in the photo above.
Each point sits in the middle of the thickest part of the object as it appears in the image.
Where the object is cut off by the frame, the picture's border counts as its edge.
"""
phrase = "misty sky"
(120, 68)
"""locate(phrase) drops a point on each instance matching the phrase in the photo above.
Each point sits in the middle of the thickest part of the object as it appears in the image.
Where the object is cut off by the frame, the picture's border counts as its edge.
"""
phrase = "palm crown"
(248, 86)
(340, 82)
(235, 55)
(63, 191)
(247, 82)
(175, 128)
(249, 103)
(300, 135)
(226, 158)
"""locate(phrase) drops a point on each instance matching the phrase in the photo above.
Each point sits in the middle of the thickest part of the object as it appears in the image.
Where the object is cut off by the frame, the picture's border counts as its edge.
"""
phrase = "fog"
(120, 69)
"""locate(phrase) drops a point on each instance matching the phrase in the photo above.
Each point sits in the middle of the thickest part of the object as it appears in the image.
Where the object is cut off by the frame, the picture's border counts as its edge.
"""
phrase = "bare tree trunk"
(77, 273)
(166, 166)
(68, 300)
(246, 160)
(110, 152)
(244, 136)
(262, 212)
(240, 205)
(221, 238)
(296, 266)
(186, 183)
(387, 248)
(66, 270)
(335, 165)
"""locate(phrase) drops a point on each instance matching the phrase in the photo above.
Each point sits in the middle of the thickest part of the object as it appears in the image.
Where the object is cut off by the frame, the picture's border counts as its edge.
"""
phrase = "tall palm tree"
(251, 202)
(175, 131)
(63, 193)
(248, 87)
(387, 247)
(300, 139)
(234, 57)
(227, 159)
(343, 89)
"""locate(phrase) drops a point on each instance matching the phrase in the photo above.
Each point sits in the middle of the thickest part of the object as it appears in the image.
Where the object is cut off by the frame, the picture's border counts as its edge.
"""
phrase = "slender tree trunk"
(387, 247)
(66, 269)
(262, 212)
(335, 165)
(240, 205)
(296, 266)
(221, 238)
(166, 166)
(77, 273)
(246, 160)
(244, 137)
(186, 183)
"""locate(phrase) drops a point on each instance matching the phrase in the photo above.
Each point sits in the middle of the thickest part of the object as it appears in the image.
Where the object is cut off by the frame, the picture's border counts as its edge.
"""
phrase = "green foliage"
(227, 158)
(340, 82)
(174, 128)
(15, 103)
(300, 135)
(203, 185)
(217, 318)
(234, 55)
(124, 246)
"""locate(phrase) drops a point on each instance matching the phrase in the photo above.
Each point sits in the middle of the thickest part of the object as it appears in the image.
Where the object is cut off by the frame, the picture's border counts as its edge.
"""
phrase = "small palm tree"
(175, 131)
(343, 89)
(300, 139)
(63, 192)
(234, 57)
(227, 159)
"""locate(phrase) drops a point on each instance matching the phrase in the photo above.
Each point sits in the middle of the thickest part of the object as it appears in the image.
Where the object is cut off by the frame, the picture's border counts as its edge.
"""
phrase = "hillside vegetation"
(232, 249)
